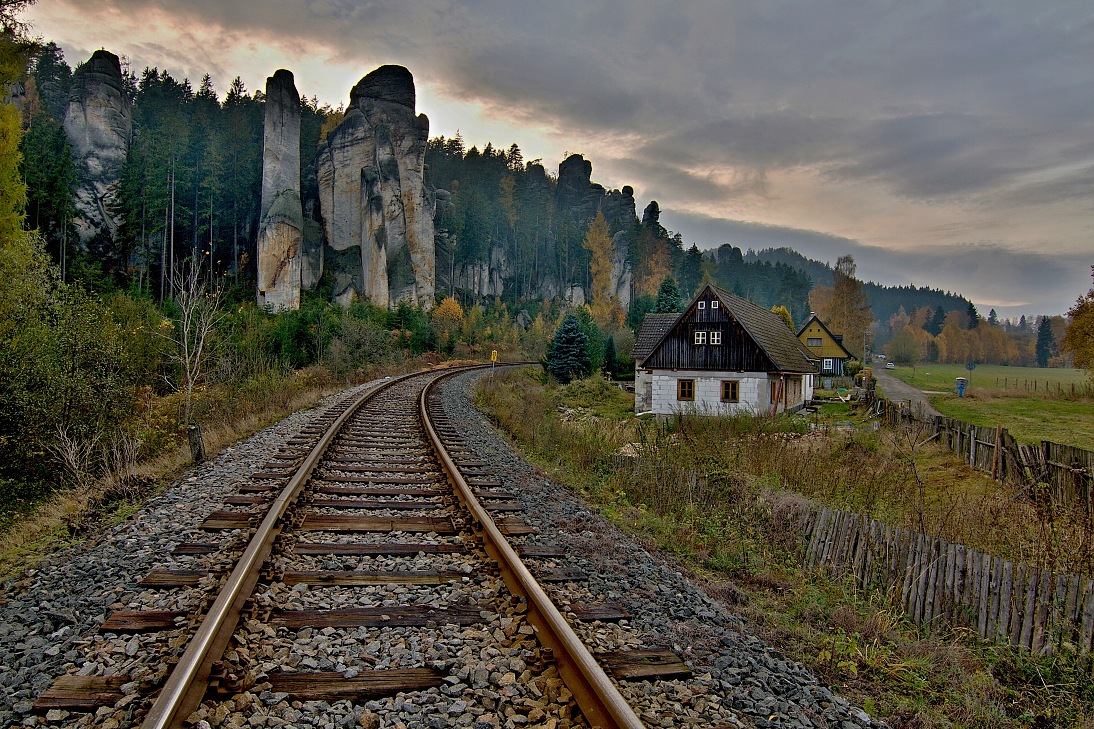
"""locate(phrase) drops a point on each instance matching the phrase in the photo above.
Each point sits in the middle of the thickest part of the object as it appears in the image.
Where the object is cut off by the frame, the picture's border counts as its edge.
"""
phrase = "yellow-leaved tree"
(1079, 338)
(447, 319)
(843, 307)
(604, 306)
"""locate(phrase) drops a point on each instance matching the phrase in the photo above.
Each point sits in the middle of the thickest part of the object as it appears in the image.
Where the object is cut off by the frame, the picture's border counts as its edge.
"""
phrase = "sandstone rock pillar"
(98, 124)
(377, 212)
(281, 229)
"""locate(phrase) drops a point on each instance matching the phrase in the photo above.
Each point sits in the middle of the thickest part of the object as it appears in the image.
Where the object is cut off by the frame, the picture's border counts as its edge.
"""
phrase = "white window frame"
(829, 364)
(716, 337)
(700, 337)
(714, 304)
(702, 304)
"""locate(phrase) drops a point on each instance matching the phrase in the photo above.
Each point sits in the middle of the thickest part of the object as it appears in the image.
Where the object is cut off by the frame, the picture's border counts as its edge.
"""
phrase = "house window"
(700, 337)
(829, 364)
(731, 391)
(685, 389)
(714, 304)
(702, 304)
(715, 337)
(813, 342)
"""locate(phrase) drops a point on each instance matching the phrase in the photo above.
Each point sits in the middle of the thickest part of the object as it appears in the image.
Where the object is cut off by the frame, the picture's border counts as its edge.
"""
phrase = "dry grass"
(723, 496)
(90, 504)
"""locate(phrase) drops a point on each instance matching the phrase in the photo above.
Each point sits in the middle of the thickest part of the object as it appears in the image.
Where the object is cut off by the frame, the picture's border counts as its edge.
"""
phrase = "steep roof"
(653, 330)
(770, 333)
(837, 338)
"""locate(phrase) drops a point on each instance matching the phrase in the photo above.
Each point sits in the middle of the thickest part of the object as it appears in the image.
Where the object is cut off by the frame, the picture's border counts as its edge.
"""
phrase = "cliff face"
(281, 231)
(98, 123)
(377, 213)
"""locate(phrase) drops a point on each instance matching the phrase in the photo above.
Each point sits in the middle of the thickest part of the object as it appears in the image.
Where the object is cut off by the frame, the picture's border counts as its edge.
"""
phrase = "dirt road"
(895, 390)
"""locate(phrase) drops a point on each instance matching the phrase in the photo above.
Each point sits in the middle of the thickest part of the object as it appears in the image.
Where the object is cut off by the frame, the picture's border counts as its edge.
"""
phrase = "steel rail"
(598, 697)
(185, 688)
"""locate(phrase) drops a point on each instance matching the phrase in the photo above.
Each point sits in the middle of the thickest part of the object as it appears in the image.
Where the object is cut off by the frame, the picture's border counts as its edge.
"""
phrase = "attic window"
(700, 337)
(714, 304)
(702, 304)
(813, 341)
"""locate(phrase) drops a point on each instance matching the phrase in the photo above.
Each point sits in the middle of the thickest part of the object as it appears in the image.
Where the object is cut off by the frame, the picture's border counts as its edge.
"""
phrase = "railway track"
(373, 561)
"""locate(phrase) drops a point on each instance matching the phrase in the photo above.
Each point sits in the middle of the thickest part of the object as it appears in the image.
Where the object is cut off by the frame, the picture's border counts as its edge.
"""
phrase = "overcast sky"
(945, 144)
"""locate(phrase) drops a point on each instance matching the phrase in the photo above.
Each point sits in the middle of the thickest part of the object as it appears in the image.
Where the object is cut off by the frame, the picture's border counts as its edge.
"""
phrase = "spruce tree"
(668, 297)
(1046, 344)
(568, 358)
(610, 368)
(974, 316)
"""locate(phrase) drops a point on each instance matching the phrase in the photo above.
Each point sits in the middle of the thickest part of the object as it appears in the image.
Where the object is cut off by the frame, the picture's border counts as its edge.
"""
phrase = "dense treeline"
(884, 300)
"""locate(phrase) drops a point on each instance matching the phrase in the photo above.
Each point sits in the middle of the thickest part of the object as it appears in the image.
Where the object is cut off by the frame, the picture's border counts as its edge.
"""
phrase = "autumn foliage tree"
(784, 314)
(843, 306)
(605, 308)
(1079, 338)
(446, 320)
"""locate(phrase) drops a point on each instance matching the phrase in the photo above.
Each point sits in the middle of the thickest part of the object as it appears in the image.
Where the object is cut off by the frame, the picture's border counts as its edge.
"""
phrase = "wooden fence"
(1069, 471)
(941, 584)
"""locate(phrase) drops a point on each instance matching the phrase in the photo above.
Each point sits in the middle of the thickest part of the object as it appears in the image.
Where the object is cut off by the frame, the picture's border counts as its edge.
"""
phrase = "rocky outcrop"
(98, 123)
(377, 212)
(281, 230)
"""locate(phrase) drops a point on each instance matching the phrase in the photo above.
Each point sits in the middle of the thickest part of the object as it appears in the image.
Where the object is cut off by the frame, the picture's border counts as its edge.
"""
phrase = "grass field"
(998, 395)
(943, 377)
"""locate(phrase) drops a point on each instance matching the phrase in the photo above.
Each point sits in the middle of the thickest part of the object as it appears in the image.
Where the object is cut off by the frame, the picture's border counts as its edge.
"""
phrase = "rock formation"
(377, 212)
(281, 230)
(98, 123)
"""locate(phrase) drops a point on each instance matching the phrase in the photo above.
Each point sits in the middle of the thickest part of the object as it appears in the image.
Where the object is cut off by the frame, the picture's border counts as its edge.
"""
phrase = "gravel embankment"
(732, 666)
(46, 615)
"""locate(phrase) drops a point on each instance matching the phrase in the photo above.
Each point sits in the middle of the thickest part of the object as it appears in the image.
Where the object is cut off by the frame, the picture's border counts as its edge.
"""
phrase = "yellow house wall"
(828, 348)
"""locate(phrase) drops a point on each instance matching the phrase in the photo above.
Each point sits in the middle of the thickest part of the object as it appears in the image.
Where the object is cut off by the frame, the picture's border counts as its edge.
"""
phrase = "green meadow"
(1033, 403)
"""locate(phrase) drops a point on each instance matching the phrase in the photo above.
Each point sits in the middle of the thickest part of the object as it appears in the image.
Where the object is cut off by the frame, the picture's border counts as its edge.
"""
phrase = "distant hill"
(884, 300)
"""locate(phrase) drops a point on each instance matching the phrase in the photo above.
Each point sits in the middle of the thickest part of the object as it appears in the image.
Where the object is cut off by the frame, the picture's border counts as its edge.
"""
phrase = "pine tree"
(691, 270)
(974, 316)
(610, 368)
(568, 358)
(668, 297)
(1046, 344)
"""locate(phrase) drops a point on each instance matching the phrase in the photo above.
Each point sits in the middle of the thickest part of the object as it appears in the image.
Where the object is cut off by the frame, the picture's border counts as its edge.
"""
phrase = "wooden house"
(826, 347)
(723, 355)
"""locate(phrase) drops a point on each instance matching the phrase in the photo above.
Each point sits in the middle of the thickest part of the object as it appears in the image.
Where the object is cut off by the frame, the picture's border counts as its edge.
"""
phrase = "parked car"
(890, 365)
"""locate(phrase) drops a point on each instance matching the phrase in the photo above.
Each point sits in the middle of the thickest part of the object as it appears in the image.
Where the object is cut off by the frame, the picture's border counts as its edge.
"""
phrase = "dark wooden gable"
(738, 352)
